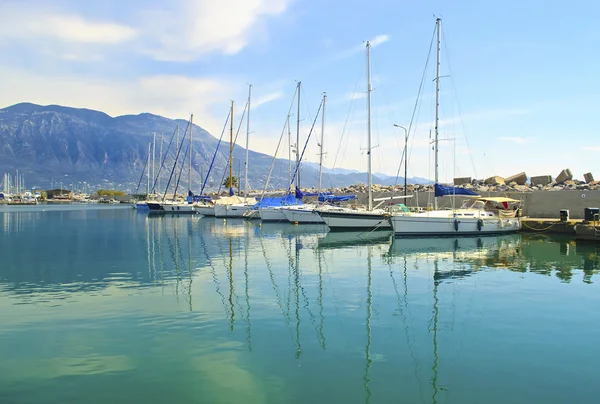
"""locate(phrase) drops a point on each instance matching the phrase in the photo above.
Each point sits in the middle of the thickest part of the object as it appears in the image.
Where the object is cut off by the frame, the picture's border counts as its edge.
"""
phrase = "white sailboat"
(477, 215)
(344, 219)
(175, 206)
(234, 206)
(276, 213)
(307, 214)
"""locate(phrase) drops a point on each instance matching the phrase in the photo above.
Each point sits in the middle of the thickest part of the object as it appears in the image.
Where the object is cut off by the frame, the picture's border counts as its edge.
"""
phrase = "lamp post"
(405, 154)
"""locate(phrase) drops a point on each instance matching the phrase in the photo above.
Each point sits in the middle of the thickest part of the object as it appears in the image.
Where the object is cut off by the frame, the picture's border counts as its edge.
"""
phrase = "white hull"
(205, 210)
(179, 208)
(436, 225)
(272, 214)
(352, 219)
(302, 215)
(230, 210)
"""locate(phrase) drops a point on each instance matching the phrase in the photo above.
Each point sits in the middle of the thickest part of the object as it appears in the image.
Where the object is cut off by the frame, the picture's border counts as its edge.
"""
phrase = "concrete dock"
(578, 229)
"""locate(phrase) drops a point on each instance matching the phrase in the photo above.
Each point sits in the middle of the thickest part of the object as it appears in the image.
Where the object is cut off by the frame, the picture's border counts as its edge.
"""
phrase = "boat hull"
(345, 220)
(142, 206)
(302, 216)
(230, 210)
(271, 215)
(449, 226)
(205, 210)
(179, 209)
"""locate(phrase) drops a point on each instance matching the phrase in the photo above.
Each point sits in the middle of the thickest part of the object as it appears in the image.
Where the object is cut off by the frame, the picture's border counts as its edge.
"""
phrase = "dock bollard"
(564, 215)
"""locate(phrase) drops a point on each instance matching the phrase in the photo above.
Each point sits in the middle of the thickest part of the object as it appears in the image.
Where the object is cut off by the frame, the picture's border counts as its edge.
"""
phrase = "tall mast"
(438, 22)
(298, 139)
(160, 154)
(176, 148)
(321, 144)
(369, 89)
(289, 148)
(231, 149)
(247, 136)
(153, 154)
(147, 172)
(191, 146)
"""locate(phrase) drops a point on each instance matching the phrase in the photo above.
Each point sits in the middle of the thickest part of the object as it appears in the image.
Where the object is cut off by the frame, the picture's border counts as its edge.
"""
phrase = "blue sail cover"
(230, 191)
(334, 198)
(442, 190)
(288, 200)
(300, 194)
(197, 198)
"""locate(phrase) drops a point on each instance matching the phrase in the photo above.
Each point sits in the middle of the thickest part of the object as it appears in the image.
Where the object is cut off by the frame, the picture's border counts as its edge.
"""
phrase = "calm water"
(105, 305)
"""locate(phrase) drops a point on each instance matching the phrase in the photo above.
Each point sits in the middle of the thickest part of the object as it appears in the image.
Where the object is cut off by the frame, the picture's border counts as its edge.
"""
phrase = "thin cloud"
(267, 98)
(591, 148)
(379, 39)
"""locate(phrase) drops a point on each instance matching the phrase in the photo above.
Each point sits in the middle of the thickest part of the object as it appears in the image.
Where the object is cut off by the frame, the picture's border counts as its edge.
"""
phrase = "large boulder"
(541, 180)
(588, 177)
(520, 178)
(495, 180)
(564, 175)
(462, 180)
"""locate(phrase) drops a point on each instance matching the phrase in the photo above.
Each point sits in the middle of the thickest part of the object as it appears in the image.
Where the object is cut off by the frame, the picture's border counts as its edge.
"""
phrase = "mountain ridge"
(55, 143)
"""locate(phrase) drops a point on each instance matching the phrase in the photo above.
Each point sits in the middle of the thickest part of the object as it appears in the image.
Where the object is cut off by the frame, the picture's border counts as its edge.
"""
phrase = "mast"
(231, 150)
(153, 154)
(369, 89)
(191, 147)
(247, 136)
(176, 148)
(438, 22)
(298, 138)
(147, 173)
(160, 154)
(289, 148)
(321, 144)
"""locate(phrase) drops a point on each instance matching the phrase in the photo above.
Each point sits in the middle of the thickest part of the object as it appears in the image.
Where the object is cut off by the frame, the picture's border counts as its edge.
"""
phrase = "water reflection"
(291, 313)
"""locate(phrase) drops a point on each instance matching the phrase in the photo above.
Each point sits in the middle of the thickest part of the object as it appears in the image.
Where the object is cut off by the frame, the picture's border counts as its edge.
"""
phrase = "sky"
(518, 92)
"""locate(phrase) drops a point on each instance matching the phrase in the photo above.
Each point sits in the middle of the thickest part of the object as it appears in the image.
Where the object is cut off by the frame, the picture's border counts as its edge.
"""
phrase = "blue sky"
(525, 73)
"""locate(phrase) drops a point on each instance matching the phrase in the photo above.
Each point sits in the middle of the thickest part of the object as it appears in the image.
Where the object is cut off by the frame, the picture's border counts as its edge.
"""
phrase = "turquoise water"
(106, 305)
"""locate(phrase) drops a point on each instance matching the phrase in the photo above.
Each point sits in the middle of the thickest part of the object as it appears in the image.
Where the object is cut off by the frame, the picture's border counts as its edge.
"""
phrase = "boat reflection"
(335, 240)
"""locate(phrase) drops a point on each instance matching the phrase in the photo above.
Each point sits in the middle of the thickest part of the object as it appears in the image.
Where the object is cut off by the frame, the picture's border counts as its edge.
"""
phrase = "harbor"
(166, 301)
(298, 202)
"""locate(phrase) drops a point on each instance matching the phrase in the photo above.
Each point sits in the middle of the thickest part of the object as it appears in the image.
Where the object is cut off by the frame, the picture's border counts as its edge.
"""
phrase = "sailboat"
(239, 207)
(275, 213)
(478, 215)
(342, 218)
(175, 206)
(234, 206)
(306, 214)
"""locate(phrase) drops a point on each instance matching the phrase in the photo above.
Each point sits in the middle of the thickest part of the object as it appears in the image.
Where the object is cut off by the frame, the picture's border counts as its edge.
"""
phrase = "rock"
(588, 177)
(512, 183)
(483, 188)
(521, 188)
(564, 176)
(583, 186)
(520, 178)
(462, 180)
(495, 180)
(541, 180)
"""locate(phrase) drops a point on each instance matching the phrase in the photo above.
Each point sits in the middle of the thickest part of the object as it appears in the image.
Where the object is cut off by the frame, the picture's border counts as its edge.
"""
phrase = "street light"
(405, 154)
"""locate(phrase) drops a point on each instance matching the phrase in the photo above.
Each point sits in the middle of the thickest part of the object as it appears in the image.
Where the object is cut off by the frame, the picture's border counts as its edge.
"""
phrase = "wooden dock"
(578, 229)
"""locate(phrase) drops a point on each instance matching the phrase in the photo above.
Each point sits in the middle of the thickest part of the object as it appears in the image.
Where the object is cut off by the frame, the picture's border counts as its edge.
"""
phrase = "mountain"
(55, 144)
